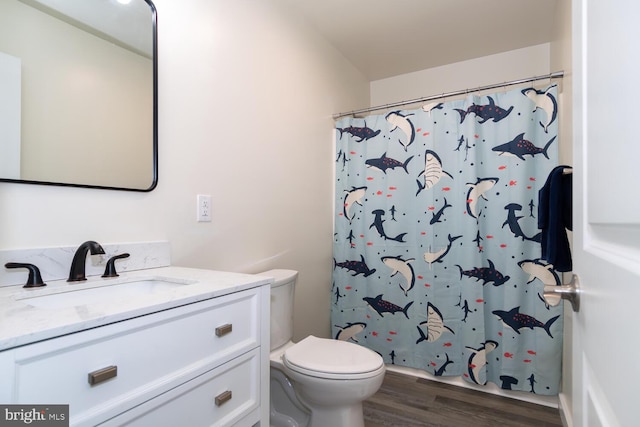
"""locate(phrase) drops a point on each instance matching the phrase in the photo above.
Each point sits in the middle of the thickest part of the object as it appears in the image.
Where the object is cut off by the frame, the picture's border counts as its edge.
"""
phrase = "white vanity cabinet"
(200, 364)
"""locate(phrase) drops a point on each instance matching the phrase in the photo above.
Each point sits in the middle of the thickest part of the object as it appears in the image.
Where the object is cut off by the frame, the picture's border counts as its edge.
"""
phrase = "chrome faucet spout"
(77, 272)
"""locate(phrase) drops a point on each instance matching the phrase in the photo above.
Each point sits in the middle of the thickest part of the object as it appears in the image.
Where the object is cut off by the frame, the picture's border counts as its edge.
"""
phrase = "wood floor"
(408, 401)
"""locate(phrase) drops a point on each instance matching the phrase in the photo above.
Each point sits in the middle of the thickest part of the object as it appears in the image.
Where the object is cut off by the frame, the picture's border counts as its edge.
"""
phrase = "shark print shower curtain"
(437, 256)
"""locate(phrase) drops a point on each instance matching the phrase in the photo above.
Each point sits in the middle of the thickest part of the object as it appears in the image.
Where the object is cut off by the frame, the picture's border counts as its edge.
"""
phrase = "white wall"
(487, 70)
(246, 97)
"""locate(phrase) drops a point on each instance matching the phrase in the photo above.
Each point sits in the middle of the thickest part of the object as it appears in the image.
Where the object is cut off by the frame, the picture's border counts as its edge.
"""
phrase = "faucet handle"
(110, 269)
(34, 280)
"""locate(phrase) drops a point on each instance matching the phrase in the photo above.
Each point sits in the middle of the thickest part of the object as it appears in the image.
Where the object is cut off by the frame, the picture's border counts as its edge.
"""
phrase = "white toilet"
(316, 382)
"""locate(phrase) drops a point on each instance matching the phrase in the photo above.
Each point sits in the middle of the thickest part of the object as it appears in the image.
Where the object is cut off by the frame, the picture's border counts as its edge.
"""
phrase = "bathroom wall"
(246, 97)
(487, 70)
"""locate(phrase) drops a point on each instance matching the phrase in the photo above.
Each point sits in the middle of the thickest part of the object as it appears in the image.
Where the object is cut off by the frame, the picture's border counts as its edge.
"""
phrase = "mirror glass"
(78, 93)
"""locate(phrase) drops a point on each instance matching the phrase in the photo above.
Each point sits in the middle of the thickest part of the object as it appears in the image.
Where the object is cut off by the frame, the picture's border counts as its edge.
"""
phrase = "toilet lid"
(328, 356)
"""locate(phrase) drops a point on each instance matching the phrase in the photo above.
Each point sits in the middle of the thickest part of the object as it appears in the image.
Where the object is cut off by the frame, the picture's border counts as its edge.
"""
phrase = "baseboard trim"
(564, 405)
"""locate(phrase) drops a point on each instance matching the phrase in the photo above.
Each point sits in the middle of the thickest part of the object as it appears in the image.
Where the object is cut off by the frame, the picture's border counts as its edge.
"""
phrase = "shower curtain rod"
(554, 75)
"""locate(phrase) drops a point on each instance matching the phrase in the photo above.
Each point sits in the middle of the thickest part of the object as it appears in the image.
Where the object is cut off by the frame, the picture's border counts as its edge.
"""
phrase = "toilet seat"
(332, 359)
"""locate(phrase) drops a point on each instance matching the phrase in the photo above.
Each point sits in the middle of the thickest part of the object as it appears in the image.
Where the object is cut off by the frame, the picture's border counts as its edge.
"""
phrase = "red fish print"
(432, 208)
(447, 344)
(527, 360)
(393, 333)
(489, 236)
(374, 333)
(531, 352)
(503, 167)
(348, 288)
(513, 183)
(379, 193)
(446, 189)
(393, 188)
(509, 355)
(479, 300)
(370, 178)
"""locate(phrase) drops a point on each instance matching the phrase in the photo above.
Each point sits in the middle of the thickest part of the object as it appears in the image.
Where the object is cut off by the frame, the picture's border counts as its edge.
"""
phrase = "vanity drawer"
(150, 353)
(225, 396)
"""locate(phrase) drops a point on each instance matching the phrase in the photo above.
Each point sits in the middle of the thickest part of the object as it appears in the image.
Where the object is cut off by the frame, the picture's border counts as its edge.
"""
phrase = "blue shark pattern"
(400, 121)
(516, 320)
(514, 225)
(485, 112)
(545, 101)
(436, 266)
(350, 331)
(358, 267)
(402, 266)
(437, 216)
(383, 163)
(383, 306)
(442, 369)
(486, 274)
(521, 147)
(377, 224)
(363, 133)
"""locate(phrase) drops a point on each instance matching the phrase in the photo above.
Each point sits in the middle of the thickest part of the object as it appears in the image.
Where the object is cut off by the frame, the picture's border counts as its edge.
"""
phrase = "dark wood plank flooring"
(408, 401)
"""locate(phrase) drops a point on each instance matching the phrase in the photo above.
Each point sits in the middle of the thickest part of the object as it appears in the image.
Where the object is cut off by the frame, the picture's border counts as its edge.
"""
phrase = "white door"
(606, 38)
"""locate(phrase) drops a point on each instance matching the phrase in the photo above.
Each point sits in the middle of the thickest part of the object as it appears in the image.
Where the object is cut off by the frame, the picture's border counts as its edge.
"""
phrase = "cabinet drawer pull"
(223, 397)
(96, 377)
(224, 329)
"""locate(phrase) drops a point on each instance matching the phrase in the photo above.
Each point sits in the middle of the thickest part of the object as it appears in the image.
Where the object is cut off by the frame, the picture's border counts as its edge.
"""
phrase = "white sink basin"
(105, 293)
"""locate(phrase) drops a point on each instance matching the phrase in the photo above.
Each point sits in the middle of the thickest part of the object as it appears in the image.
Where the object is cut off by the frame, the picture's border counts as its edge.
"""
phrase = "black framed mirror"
(78, 93)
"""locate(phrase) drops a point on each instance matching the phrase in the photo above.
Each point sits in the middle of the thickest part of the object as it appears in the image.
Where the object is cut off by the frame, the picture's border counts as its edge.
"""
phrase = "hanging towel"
(554, 218)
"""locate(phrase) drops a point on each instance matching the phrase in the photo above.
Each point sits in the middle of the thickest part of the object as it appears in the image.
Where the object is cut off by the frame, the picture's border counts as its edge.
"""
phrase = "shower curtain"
(436, 244)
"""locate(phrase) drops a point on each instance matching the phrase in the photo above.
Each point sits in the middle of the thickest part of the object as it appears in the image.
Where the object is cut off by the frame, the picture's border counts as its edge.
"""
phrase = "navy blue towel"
(554, 218)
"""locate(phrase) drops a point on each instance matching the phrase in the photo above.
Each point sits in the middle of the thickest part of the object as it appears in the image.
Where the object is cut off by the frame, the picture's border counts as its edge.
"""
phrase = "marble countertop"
(22, 323)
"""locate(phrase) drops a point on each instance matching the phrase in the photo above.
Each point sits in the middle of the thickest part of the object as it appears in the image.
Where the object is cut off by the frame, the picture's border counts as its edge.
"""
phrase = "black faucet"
(78, 264)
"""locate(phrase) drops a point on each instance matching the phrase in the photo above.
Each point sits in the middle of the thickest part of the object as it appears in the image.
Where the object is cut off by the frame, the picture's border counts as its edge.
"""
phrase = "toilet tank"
(282, 292)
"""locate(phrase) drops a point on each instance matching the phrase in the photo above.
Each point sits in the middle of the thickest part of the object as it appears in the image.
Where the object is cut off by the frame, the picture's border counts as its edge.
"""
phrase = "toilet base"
(285, 408)
(347, 416)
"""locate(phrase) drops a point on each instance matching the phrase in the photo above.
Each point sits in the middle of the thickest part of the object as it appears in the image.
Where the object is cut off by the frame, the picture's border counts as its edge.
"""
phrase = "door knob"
(571, 292)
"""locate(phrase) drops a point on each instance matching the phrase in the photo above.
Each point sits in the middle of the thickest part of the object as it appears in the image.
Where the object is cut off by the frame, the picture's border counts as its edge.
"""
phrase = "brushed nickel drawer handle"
(223, 398)
(96, 377)
(224, 329)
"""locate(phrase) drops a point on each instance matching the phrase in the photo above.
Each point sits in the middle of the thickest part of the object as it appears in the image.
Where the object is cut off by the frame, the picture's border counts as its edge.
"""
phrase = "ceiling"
(385, 38)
